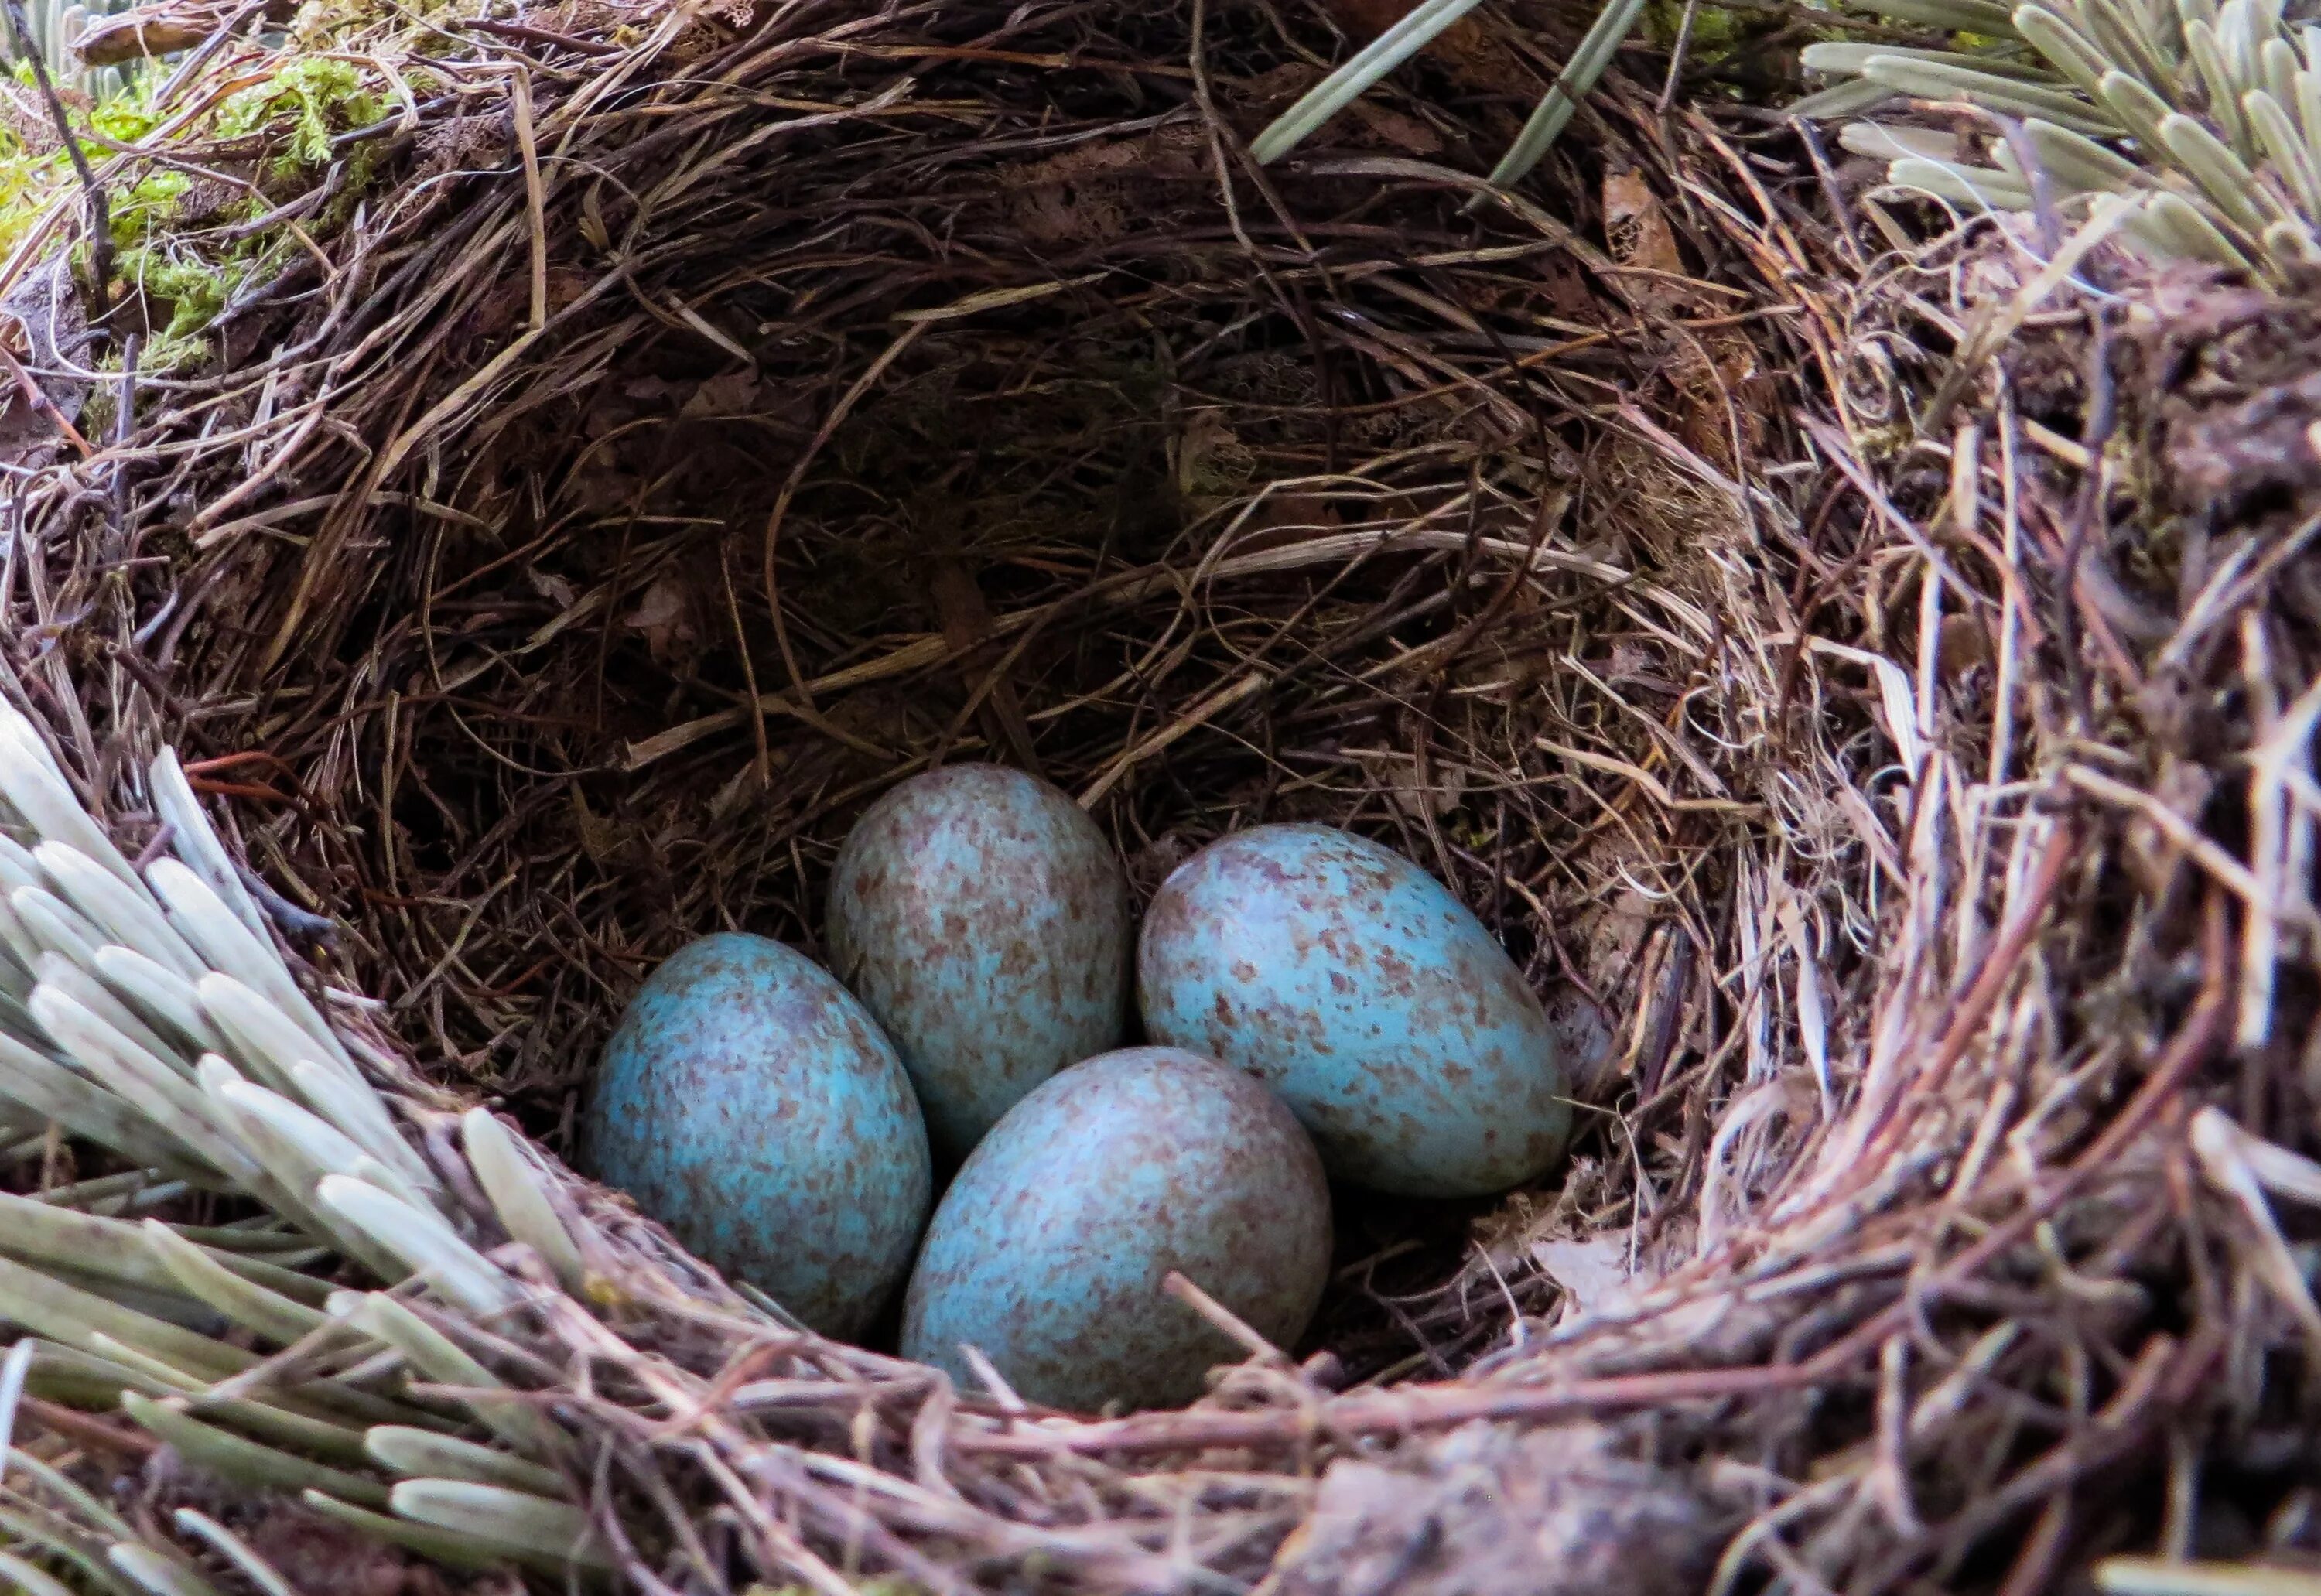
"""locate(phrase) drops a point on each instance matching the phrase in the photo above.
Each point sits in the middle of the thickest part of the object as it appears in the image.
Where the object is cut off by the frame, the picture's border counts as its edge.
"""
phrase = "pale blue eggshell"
(1356, 986)
(984, 920)
(750, 1104)
(1049, 1250)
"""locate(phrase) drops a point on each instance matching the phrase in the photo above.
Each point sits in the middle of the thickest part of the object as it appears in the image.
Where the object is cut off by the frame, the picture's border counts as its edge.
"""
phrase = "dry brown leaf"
(733, 393)
(1592, 1272)
(662, 617)
(554, 589)
(1639, 232)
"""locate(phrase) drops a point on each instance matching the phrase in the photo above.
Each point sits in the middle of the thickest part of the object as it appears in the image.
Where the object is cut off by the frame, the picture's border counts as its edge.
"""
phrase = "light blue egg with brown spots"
(984, 920)
(1050, 1251)
(1356, 987)
(750, 1103)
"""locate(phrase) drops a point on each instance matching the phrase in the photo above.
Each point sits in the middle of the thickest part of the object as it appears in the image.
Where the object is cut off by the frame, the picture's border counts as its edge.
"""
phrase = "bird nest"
(541, 474)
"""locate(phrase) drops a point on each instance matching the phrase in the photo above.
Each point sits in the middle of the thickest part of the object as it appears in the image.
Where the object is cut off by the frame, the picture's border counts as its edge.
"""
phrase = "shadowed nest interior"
(848, 445)
(1878, 726)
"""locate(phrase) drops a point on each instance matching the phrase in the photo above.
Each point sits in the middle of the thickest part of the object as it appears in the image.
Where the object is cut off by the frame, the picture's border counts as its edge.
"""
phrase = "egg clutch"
(1317, 1008)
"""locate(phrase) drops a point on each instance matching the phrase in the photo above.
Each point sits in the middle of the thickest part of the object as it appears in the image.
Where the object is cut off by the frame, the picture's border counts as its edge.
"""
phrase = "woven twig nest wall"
(645, 436)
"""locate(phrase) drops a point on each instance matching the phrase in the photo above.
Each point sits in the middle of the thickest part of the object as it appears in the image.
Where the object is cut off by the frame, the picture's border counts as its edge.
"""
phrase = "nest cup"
(685, 424)
(824, 449)
(797, 406)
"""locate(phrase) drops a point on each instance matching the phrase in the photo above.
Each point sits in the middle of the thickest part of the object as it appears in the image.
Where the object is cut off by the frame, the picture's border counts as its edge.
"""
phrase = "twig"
(100, 216)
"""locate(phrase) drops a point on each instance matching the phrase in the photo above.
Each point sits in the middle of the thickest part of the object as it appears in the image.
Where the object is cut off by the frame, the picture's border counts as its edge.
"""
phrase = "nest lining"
(800, 493)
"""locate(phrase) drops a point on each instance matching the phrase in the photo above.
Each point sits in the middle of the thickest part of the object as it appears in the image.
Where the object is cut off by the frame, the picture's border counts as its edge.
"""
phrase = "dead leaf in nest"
(1258, 100)
(1716, 371)
(1367, 19)
(1639, 235)
(554, 589)
(1726, 391)
(565, 287)
(1151, 864)
(1567, 290)
(1964, 645)
(1406, 134)
(656, 388)
(599, 839)
(1592, 1272)
(733, 393)
(2152, 856)
(1405, 787)
(207, 199)
(313, 1552)
(22, 115)
(458, 141)
(1094, 193)
(1283, 520)
(740, 789)
(2227, 376)
(663, 618)
(1610, 936)
(40, 313)
(1210, 456)
(1583, 1040)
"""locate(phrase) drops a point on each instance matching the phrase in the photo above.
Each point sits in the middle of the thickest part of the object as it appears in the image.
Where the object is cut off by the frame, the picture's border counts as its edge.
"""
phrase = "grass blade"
(2073, 56)
(125, 912)
(454, 1551)
(234, 1550)
(275, 1317)
(196, 841)
(529, 1526)
(1557, 107)
(51, 1091)
(1343, 87)
(1981, 189)
(422, 1452)
(2080, 162)
(156, 1574)
(2224, 88)
(1983, 17)
(34, 786)
(513, 1184)
(166, 998)
(2205, 159)
(1851, 98)
(268, 1468)
(442, 1361)
(421, 1240)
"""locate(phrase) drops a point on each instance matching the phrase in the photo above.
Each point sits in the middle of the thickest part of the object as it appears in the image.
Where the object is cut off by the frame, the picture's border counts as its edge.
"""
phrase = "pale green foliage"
(145, 1009)
(2205, 116)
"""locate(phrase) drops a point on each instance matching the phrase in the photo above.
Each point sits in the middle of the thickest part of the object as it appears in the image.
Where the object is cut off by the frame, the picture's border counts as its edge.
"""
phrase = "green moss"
(180, 266)
(304, 103)
(129, 117)
(1715, 31)
(148, 204)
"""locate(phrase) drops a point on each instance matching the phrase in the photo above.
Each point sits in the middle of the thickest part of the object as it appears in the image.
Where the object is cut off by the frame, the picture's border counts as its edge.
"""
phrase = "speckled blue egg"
(984, 920)
(1356, 986)
(750, 1104)
(1048, 1253)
